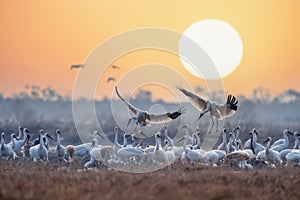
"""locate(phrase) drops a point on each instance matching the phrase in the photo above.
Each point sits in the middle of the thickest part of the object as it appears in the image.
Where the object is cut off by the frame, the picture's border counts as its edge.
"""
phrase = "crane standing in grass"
(218, 111)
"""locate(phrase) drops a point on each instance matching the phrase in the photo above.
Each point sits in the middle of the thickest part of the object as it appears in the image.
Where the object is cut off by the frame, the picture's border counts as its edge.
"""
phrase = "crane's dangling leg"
(217, 122)
(131, 118)
(211, 124)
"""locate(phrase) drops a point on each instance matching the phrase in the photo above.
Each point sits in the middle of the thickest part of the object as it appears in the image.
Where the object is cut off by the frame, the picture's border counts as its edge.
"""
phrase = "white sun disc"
(220, 41)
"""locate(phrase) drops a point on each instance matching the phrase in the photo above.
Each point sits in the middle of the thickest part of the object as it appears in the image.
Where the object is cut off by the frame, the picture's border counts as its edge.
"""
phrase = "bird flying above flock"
(110, 79)
(77, 66)
(143, 118)
(216, 110)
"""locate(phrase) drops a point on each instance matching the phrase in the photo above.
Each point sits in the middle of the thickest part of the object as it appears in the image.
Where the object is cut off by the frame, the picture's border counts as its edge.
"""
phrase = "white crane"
(196, 136)
(159, 155)
(282, 140)
(46, 139)
(194, 155)
(101, 154)
(143, 118)
(20, 135)
(126, 152)
(40, 150)
(180, 151)
(167, 137)
(170, 153)
(237, 139)
(212, 158)
(293, 157)
(60, 149)
(284, 152)
(5, 150)
(255, 146)
(190, 140)
(12, 142)
(18, 144)
(218, 111)
(271, 156)
(223, 145)
(83, 150)
(230, 147)
(282, 144)
(117, 146)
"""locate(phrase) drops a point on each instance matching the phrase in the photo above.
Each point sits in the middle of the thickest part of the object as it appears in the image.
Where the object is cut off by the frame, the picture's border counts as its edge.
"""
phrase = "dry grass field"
(26, 180)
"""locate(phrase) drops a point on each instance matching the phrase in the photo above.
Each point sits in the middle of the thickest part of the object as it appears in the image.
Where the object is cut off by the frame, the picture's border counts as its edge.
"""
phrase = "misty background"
(37, 108)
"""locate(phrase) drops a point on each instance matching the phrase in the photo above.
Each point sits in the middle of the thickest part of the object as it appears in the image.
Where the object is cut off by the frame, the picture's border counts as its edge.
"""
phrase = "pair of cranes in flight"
(217, 111)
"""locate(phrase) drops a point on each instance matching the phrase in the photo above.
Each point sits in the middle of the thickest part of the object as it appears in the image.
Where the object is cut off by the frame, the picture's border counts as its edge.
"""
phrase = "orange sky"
(40, 40)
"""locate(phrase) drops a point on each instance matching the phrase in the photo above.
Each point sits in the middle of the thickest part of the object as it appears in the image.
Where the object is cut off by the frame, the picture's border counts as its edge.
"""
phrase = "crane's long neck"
(251, 144)
(2, 139)
(224, 138)
(12, 141)
(186, 138)
(230, 141)
(42, 144)
(237, 135)
(171, 142)
(253, 140)
(21, 134)
(268, 147)
(296, 146)
(58, 139)
(125, 141)
(166, 133)
(27, 139)
(116, 143)
(238, 146)
(286, 139)
(24, 139)
(166, 146)
(187, 135)
(198, 141)
(157, 144)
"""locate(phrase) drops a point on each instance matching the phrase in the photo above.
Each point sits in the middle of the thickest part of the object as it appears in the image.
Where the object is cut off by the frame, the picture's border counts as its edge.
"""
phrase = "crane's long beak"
(289, 132)
(180, 139)
(99, 134)
(49, 137)
(266, 141)
(143, 134)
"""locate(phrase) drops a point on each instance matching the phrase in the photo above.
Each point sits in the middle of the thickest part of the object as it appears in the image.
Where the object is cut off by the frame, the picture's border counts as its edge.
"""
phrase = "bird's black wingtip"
(174, 115)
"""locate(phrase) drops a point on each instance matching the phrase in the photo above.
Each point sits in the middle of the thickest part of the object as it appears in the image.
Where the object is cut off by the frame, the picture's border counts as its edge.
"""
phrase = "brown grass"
(26, 180)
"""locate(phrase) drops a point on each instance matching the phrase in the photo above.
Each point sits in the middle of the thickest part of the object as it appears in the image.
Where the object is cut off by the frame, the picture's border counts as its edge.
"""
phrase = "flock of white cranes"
(165, 152)
(231, 150)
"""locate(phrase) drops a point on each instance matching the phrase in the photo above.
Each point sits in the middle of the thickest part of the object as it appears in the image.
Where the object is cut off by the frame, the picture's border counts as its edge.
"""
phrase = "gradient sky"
(40, 40)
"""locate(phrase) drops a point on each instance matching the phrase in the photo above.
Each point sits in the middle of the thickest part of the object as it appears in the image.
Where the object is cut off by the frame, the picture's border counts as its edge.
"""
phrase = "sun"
(220, 41)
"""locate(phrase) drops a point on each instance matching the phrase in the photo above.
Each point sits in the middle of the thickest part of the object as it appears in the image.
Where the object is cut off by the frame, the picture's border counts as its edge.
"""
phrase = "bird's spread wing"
(110, 79)
(165, 117)
(131, 107)
(197, 101)
(230, 107)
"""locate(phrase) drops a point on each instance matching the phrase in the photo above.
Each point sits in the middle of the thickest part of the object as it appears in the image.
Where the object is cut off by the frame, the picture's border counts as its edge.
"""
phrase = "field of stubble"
(26, 180)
